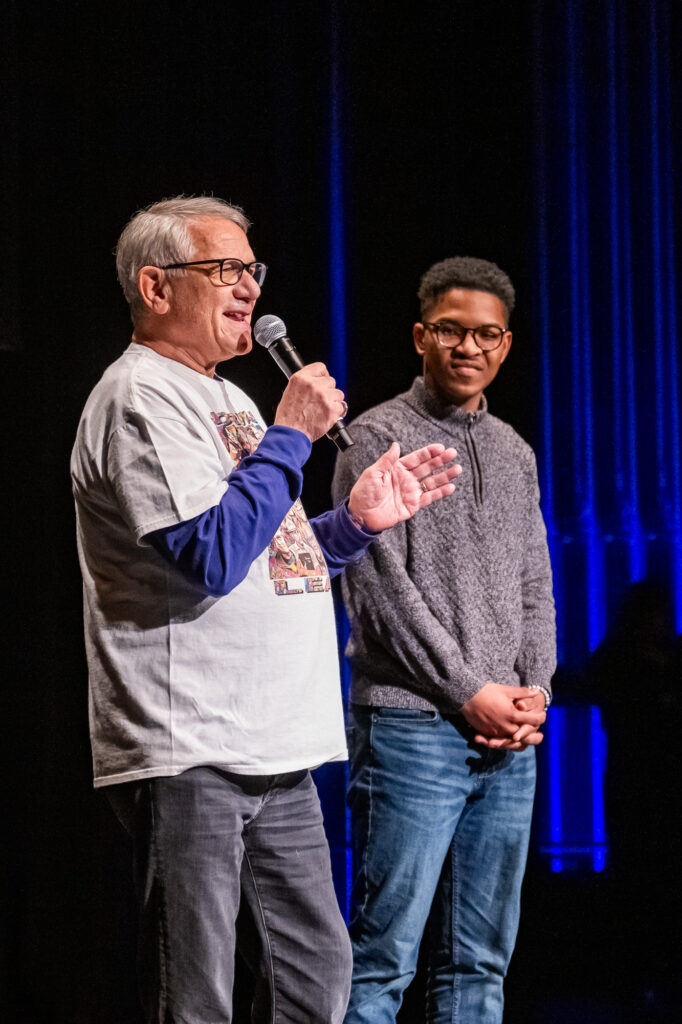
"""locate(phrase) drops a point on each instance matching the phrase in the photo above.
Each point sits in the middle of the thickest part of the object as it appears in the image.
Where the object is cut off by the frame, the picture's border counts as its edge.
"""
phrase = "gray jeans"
(221, 859)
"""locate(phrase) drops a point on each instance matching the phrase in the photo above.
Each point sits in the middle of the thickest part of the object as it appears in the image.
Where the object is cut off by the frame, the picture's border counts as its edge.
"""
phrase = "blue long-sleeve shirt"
(216, 548)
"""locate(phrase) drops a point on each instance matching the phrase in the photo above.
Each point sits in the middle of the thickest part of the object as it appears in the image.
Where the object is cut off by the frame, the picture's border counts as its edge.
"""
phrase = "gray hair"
(465, 272)
(160, 234)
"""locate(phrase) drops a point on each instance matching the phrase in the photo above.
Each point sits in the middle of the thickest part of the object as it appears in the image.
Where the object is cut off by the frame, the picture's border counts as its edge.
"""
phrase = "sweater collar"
(427, 402)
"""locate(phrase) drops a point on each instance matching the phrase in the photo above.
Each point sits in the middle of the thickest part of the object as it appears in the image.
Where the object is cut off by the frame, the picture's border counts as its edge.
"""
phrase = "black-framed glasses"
(231, 269)
(450, 334)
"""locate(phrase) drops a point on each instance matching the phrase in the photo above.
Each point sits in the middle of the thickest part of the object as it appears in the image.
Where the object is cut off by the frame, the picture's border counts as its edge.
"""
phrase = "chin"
(241, 346)
(244, 345)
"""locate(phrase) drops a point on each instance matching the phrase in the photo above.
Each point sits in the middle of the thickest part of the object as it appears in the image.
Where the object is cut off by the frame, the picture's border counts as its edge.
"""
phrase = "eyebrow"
(451, 320)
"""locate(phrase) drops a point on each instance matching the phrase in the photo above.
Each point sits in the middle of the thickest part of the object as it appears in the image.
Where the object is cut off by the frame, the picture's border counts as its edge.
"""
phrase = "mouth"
(238, 316)
(467, 369)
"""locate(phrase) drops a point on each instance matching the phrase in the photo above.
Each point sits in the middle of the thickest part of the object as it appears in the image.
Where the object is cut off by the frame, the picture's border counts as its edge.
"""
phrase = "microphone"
(271, 332)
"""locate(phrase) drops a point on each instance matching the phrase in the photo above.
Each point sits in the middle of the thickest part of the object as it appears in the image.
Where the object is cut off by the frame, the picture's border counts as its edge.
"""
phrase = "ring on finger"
(422, 484)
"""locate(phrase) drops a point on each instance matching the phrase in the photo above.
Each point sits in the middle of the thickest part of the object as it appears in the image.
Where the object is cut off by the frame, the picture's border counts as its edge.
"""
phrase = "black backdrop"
(106, 108)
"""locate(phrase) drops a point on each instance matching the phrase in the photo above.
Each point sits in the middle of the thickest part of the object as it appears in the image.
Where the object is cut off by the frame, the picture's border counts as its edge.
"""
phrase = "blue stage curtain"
(606, 321)
(606, 305)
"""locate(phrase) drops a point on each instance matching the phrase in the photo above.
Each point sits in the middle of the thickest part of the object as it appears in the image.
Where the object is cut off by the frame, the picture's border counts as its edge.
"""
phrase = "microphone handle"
(340, 436)
(285, 354)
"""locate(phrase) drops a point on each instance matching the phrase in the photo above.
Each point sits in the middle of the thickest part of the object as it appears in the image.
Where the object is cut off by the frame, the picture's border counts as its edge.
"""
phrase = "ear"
(155, 288)
(505, 346)
(418, 338)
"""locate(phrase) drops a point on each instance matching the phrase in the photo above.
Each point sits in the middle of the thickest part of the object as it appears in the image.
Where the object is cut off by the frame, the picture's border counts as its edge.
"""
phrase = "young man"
(452, 652)
(213, 669)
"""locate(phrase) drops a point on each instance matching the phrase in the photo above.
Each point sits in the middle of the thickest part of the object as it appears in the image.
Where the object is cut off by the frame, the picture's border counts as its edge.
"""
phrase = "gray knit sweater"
(461, 594)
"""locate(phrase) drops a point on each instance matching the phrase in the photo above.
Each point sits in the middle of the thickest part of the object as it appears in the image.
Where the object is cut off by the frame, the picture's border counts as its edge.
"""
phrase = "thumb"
(390, 457)
(517, 692)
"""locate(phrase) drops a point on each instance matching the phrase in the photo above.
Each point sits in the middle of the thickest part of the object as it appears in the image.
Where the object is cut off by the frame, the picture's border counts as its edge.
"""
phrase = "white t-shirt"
(248, 682)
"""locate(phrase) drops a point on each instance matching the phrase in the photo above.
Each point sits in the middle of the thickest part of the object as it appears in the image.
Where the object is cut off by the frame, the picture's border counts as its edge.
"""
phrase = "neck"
(472, 404)
(177, 352)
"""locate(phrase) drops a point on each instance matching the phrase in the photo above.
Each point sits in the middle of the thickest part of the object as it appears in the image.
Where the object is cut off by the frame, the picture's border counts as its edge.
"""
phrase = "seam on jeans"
(456, 892)
(496, 765)
(364, 866)
(413, 716)
(158, 885)
(270, 956)
(270, 792)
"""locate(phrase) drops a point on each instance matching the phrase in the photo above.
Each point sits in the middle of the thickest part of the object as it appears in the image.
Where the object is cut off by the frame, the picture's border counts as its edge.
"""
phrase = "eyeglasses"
(231, 270)
(450, 334)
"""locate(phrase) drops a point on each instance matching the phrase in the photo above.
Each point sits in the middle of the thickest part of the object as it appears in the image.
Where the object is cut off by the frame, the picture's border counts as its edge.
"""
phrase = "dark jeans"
(441, 835)
(209, 847)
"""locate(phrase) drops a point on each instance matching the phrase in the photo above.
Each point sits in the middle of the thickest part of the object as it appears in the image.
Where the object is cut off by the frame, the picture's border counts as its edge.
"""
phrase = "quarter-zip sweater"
(461, 594)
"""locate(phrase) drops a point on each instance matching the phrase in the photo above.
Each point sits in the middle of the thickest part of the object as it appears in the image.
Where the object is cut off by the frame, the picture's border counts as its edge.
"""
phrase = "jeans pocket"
(411, 715)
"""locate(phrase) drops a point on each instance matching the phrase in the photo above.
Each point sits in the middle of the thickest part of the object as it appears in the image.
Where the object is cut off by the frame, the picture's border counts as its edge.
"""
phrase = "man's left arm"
(342, 537)
(536, 659)
(388, 492)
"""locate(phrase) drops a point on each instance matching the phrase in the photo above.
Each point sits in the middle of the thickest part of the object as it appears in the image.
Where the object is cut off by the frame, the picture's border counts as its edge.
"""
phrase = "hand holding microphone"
(311, 401)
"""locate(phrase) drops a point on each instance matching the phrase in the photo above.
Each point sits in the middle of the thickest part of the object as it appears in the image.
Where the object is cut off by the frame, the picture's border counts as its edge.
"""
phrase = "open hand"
(394, 488)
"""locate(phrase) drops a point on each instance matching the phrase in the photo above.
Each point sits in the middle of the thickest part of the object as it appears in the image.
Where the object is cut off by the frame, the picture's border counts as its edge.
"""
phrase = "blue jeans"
(441, 831)
(209, 847)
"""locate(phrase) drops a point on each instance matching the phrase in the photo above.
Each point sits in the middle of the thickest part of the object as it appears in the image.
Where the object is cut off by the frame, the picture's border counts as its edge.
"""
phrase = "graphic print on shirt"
(297, 565)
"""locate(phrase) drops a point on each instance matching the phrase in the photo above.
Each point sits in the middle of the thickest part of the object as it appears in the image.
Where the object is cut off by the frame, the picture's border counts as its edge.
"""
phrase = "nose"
(468, 343)
(247, 287)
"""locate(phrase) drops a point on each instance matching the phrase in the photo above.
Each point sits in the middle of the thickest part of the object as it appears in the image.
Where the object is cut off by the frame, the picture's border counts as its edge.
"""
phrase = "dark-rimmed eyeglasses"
(231, 269)
(450, 334)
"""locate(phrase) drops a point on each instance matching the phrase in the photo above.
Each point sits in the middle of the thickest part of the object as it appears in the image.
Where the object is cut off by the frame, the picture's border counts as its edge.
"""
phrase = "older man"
(213, 670)
(452, 652)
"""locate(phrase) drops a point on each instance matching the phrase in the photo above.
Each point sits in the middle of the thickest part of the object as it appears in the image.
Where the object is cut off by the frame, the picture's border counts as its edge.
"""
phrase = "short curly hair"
(465, 272)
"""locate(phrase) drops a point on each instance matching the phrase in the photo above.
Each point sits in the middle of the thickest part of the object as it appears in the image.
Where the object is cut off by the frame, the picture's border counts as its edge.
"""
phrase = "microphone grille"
(268, 329)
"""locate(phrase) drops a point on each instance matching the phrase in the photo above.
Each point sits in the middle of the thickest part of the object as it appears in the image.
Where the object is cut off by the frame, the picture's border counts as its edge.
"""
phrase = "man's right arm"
(215, 549)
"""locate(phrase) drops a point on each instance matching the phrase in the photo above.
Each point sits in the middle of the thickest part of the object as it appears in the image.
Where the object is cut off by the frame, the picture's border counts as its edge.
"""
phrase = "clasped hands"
(506, 717)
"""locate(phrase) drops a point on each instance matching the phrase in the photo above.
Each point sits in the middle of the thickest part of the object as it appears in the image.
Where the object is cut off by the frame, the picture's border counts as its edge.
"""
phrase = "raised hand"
(393, 488)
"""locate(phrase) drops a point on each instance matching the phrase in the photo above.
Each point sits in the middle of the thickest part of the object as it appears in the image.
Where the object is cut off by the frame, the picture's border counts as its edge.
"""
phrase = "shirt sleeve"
(536, 661)
(390, 622)
(341, 541)
(215, 549)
